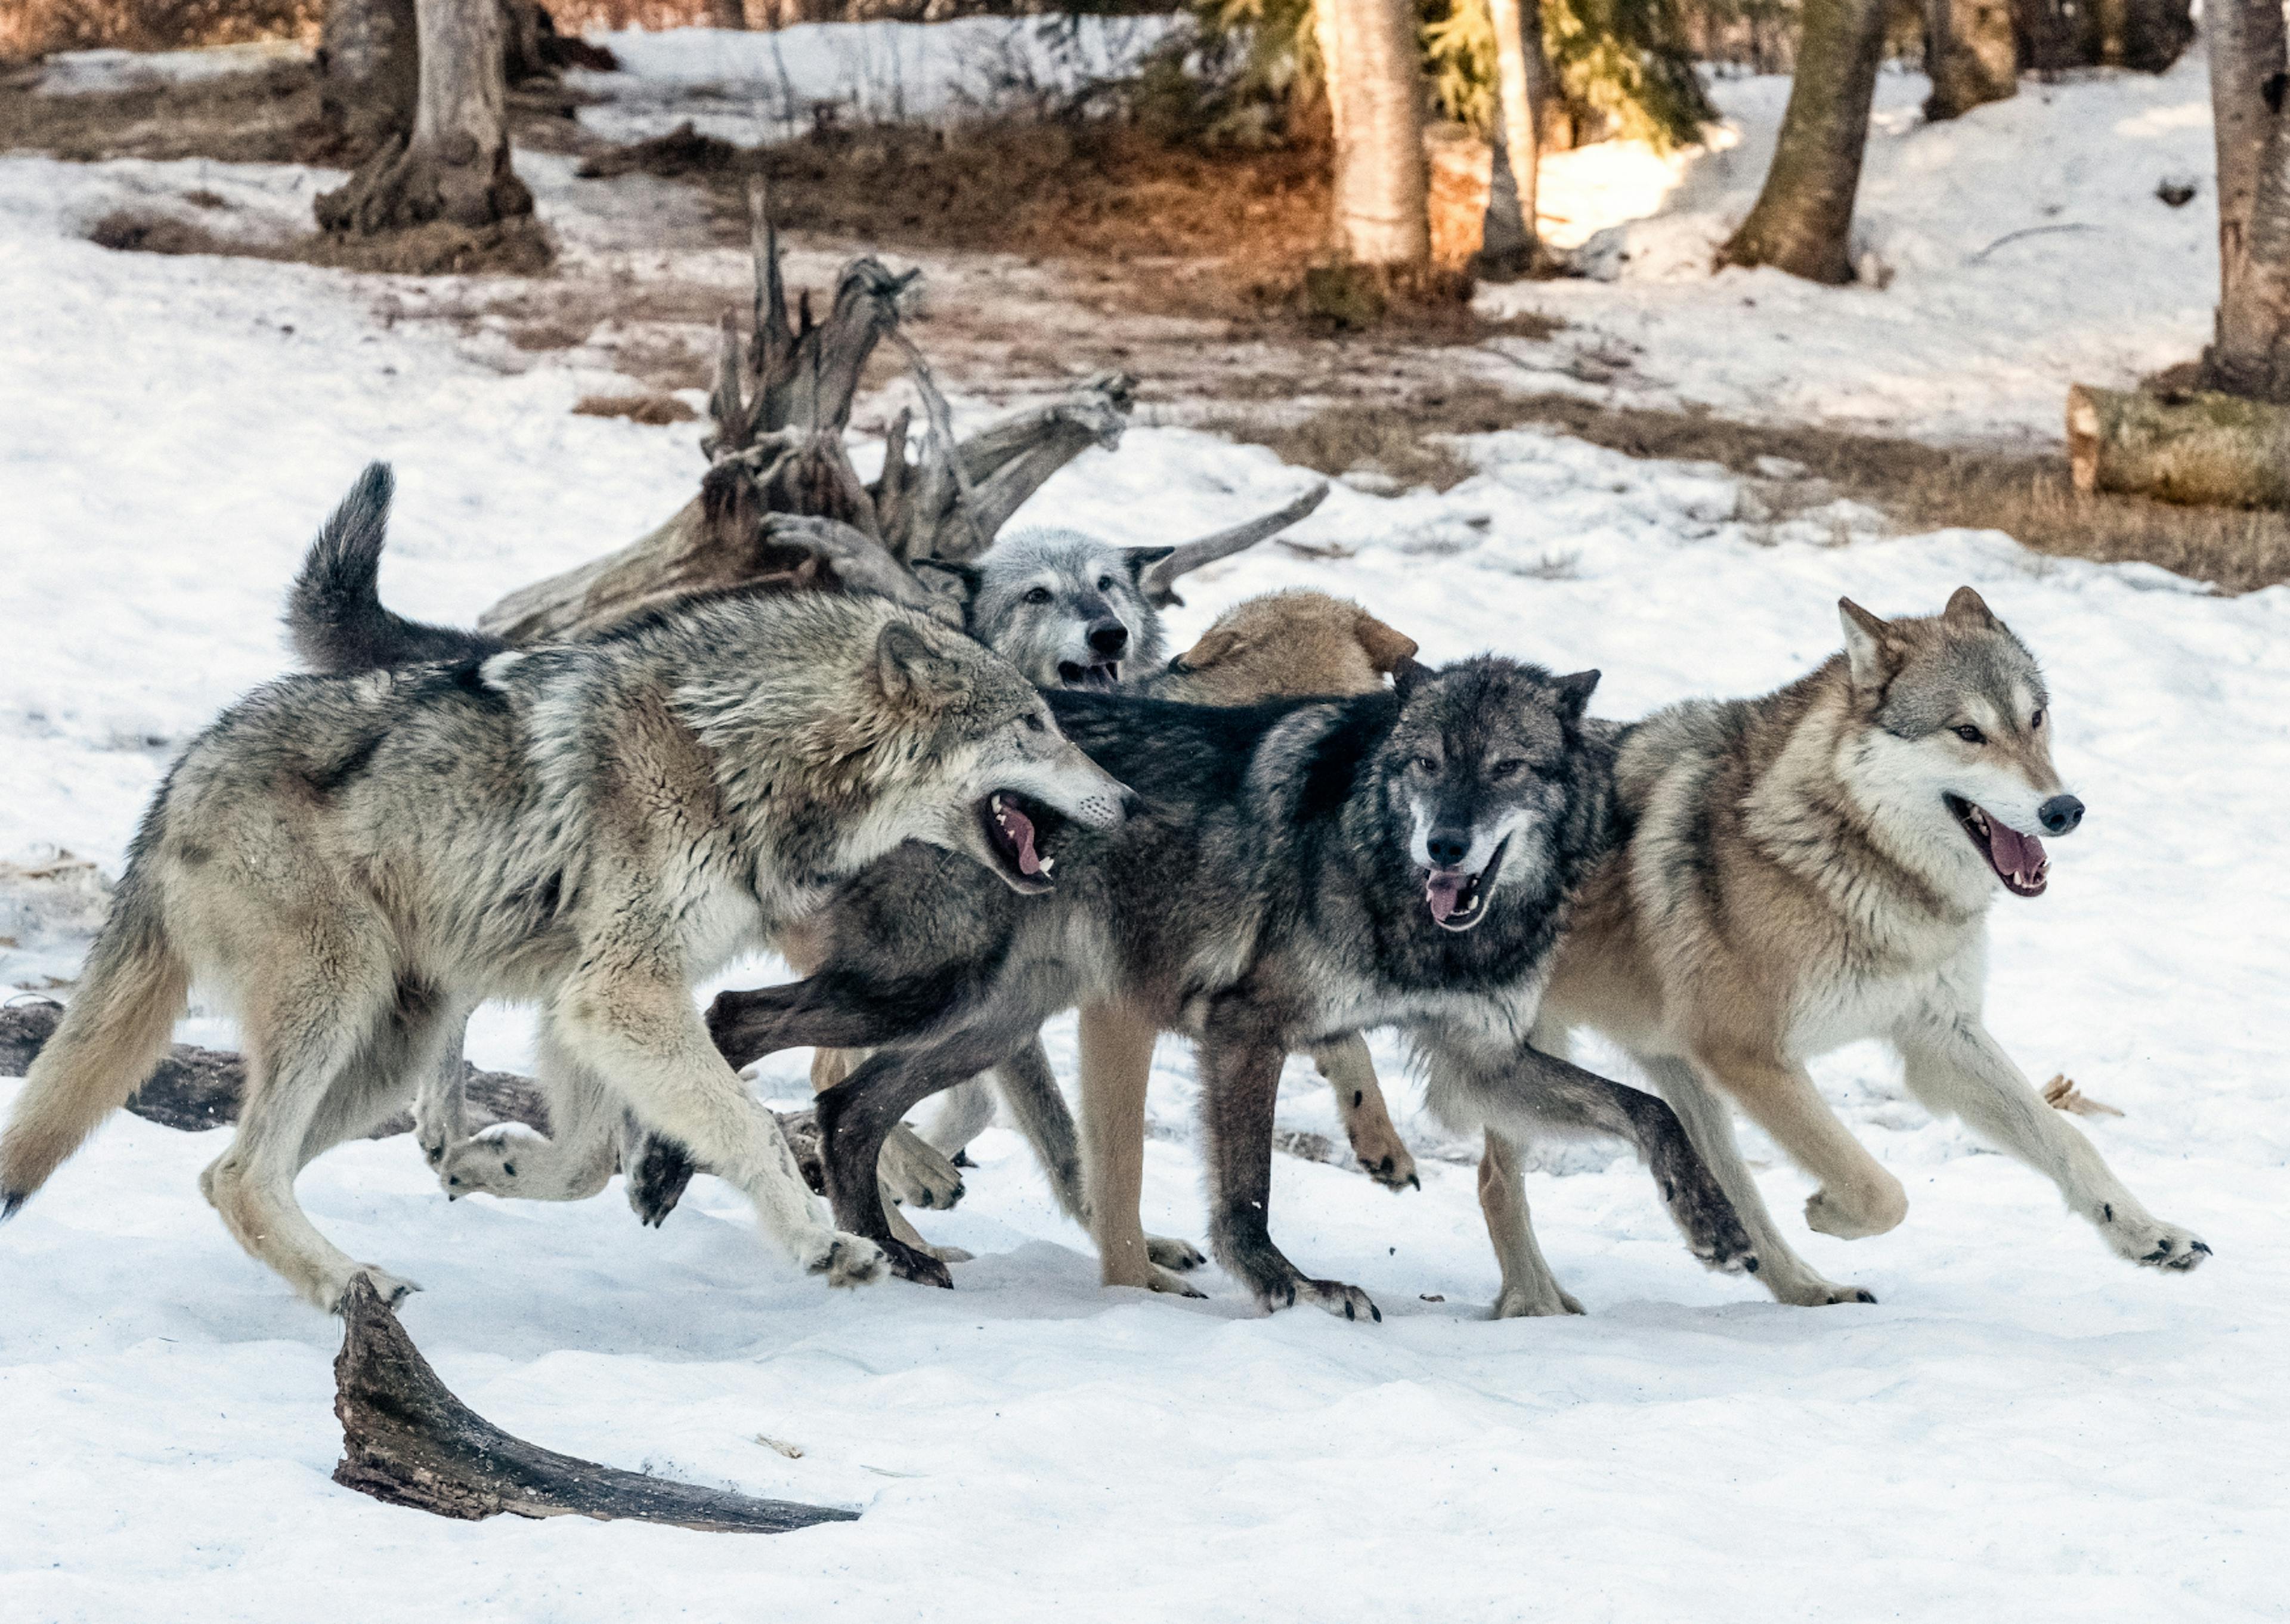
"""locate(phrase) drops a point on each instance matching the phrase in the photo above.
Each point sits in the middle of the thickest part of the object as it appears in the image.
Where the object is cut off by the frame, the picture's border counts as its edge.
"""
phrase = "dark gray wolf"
(1816, 867)
(351, 863)
(1295, 871)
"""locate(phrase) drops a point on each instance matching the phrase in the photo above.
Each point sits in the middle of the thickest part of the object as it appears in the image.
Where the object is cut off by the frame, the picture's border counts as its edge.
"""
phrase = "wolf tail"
(334, 611)
(112, 1034)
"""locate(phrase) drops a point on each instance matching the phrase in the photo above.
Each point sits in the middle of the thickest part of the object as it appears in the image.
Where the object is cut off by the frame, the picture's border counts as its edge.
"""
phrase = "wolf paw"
(2153, 1244)
(485, 1164)
(914, 1174)
(1815, 1292)
(916, 1264)
(1334, 1297)
(848, 1259)
(1170, 1252)
(1522, 1302)
(1394, 1172)
(392, 1289)
(1855, 1215)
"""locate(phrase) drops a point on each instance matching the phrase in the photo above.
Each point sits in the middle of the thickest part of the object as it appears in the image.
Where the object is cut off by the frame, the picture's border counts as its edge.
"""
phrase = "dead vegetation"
(266, 117)
(2030, 496)
(514, 248)
(653, 409)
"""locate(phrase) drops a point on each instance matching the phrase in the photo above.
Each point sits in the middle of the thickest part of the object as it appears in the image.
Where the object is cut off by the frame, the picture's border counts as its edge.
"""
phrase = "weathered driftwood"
(2199, 449)
(195, 1089)
(782, 508)
(1160, 579)
(407, 1440)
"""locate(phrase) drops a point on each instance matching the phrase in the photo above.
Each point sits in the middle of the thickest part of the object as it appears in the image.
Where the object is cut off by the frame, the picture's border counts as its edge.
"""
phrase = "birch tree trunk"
(2249, 353)
(1803, 220)
(1972, 55)
(455, 167)
(1375, 98)
(1510, 246)
(369, 72)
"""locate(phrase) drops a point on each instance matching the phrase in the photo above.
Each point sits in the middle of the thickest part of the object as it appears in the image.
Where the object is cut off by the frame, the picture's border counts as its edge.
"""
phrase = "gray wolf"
(1816, 867)
(350, 864)
(1067, 609)
(1295, 870)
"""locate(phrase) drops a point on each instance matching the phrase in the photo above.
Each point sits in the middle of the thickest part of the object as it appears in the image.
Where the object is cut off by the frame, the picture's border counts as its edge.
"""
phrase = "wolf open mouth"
(1459, 901)
(1011, 822)
(2018, 859)
(1097, 674)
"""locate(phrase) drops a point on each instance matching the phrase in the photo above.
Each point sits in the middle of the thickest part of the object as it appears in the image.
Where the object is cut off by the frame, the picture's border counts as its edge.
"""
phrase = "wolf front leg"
(1239, 1066)
(1522, 1089)
(1345, 1063)
(628, 1019)
(1529, 1288)
(1956, 1067)
(1116, 1061)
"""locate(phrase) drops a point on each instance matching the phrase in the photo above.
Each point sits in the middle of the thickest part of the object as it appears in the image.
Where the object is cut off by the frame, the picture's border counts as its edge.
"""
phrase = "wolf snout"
(1447, 848)
(1108, 637)
(2059, 814)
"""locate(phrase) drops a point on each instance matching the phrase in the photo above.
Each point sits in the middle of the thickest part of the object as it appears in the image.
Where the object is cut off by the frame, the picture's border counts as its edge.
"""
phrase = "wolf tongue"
(2011, 853)
(1444, 893)
(1021, 831)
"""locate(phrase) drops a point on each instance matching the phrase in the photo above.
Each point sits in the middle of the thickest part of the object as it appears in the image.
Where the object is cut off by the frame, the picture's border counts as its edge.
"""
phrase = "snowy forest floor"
(1664, 475)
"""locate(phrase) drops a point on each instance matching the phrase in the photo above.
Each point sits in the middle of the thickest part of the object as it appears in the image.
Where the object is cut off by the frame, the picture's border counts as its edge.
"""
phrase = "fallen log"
(2197, 448)
(407, 1440)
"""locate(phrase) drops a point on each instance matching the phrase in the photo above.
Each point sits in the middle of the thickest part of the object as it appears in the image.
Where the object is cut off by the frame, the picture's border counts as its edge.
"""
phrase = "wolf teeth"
(1048, 863)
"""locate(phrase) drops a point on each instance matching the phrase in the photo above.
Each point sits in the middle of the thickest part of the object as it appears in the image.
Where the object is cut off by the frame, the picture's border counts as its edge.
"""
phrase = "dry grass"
(270, 116)
(517, 247)
(655, 410)
(2028, 496)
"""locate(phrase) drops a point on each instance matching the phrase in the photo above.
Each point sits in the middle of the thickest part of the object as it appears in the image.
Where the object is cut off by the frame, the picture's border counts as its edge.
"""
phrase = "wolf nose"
(1448, 847)
(1108, 638)
(2059, 814)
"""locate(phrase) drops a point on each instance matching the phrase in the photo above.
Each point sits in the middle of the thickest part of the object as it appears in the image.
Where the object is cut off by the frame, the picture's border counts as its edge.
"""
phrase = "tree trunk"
(2250, 350)
(1510, 246)
(727, 13)
(2202, 449)
(1375, 98)
(2154, 33)
(1972, 55)
(369, 71)
(455, 167)
(1803, 220)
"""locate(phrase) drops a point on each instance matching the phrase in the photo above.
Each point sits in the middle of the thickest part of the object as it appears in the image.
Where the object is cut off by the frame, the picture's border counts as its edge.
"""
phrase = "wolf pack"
(956, 821)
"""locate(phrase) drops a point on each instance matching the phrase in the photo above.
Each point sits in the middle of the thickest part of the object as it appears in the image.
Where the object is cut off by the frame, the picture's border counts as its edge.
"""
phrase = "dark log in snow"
(407, 1440)
(2198, 449)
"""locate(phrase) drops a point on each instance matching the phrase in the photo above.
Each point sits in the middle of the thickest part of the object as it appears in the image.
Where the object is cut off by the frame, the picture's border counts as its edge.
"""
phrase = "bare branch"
(1160, 579)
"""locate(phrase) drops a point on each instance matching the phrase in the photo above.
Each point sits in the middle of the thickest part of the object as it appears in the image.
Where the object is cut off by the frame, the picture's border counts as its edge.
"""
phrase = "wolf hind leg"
(304, 1040)
(1710, 1125)
(1954, 1066)
(1345, 1063)
(1858, 1197)
(1116, 1061)
(1529, 1289)
(964, 1112)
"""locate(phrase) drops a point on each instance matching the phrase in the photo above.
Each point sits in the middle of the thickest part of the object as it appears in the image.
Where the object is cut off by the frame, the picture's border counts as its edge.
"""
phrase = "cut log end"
(407, 1440)
(2195, 448)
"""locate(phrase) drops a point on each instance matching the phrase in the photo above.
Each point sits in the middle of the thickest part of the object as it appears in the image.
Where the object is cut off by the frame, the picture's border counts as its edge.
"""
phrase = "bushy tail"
(334, 611)
(112, 1034)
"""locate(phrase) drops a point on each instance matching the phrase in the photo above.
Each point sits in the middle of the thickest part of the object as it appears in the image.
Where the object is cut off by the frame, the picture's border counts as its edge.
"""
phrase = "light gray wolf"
(1296, 870)
(1068, 610)
(350, 864)
(1816, 867)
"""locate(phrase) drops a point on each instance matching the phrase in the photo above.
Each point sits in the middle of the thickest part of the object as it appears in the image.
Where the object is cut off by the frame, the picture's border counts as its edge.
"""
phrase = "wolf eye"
(1508, 768)
(1425, 763)
(1971, 734)
(2036, 721)
(1039, 595)
(1033, 723)
(1105, 583)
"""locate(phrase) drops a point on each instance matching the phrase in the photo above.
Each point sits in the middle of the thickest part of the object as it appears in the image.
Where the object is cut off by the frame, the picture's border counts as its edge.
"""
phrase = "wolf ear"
(1967, 609)
(1387, 650)
(1143, 558)
(1217, 644)
(1409, 675)
(910, 671)
(945, 578)
(1575, 692)
(1868, 646)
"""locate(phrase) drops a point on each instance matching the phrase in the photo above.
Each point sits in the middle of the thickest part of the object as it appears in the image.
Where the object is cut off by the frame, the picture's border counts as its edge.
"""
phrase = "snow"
(2024, 1427)
(1973, 337)
(758, 85)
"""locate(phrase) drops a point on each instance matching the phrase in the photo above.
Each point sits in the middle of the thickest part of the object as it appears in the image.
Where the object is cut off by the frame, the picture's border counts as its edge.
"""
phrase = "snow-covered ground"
(2021, 247)
(2025, 1427)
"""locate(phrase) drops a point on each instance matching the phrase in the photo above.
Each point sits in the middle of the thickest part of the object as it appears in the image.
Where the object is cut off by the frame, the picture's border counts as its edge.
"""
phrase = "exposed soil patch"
(515, 248)
(655, 410)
